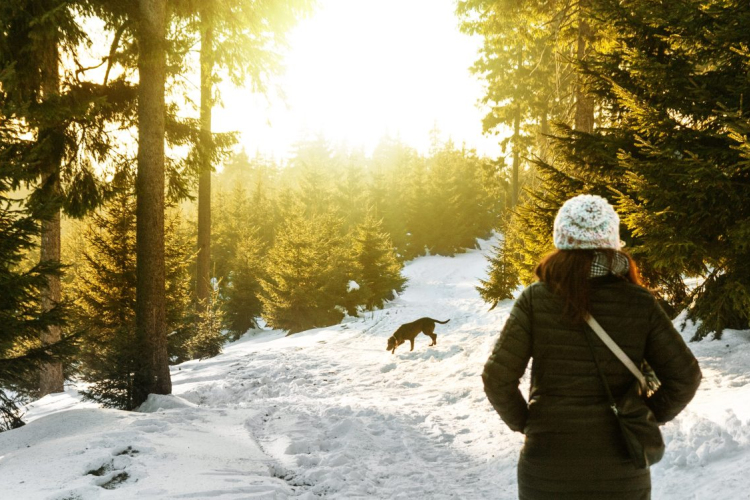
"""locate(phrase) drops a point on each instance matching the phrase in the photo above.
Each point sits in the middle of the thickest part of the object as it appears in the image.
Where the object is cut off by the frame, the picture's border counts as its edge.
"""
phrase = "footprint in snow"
(151, 425)
(387, 368)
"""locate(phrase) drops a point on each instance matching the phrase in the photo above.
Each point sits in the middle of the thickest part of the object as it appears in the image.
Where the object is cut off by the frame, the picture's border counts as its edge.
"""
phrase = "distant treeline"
(297, 244)
(360, 217)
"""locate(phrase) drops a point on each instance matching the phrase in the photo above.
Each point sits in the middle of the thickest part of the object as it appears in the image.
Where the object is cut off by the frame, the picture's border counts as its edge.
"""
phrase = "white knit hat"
(587, 221)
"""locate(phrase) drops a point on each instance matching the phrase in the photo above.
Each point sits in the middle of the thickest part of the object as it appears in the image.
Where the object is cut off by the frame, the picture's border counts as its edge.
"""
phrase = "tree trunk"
(51, 374)
(516, 154)
(204, 180)
(584, 117)
(514, 187)
(152, 374)
(543, 143)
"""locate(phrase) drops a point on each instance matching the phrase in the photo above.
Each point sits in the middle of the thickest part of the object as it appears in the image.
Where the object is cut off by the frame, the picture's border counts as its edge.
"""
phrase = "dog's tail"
(441, 322)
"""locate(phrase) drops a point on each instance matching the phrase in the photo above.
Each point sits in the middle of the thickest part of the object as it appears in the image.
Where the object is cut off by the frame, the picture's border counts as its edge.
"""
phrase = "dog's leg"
(428, 331)
(412, 344)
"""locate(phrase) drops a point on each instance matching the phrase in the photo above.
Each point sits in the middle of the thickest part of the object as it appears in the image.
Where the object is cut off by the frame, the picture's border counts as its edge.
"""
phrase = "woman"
(573, 447)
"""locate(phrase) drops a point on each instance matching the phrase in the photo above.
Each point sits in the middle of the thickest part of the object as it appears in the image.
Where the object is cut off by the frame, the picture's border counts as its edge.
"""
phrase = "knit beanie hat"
(587, 221)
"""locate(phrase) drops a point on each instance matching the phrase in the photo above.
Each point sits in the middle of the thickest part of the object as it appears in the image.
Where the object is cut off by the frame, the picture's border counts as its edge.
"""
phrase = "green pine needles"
(669, 148)
(103, 292)
(375, 268)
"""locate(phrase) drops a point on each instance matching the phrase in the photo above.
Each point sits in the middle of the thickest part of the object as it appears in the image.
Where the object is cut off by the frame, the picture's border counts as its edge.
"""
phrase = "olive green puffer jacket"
(567, 406)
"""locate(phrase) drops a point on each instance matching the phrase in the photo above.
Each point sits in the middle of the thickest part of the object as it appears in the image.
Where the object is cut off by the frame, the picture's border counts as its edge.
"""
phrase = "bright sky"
(361, 69)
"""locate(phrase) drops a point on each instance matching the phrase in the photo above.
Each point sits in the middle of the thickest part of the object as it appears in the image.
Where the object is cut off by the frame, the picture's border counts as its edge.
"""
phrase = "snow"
(330, 413)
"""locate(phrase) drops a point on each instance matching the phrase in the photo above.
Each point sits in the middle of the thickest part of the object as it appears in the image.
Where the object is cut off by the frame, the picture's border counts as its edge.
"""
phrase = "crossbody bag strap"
(616, 350)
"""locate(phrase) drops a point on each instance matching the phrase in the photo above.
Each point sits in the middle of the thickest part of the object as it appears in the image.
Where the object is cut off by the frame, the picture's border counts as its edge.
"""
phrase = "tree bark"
(584, 113)
(543, 143)
(204, 180)
(51, 374)
(516, 139)
(152, 375)
(516, 155)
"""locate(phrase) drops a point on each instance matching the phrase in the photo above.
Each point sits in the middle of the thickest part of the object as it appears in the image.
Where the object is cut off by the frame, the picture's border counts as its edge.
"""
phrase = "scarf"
(601, 266)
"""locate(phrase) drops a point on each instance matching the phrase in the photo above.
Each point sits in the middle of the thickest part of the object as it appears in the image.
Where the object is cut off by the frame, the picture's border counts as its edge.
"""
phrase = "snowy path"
(329, 413)
(347, 419)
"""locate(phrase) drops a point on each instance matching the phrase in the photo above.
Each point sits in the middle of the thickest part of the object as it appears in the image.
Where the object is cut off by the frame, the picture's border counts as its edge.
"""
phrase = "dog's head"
(391, 343)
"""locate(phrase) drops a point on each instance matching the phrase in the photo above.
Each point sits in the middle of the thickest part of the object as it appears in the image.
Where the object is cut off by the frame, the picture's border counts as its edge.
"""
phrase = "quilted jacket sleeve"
(507, 363)
(674, 365)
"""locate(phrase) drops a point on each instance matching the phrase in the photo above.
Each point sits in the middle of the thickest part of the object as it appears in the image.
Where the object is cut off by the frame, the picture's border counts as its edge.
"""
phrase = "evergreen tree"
(443, 199)
(243, 291)
(105, 295)
(391, 162)
(22, 314)
(502, 281)
(456, 200)
(209, 338)
(243, 39)
(59, 126)
(474, 216)
(674, 85)
(179, 254)
(527, 61)
(350, 198)
(669, 151)
(376, 269)
(152, 371)
(231, 225)
(311, 175)
(306, 276)
(417, 211)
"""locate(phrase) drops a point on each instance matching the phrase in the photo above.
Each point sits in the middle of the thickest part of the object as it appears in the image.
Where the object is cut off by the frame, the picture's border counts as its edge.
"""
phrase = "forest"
(173, 247)
(134, 237)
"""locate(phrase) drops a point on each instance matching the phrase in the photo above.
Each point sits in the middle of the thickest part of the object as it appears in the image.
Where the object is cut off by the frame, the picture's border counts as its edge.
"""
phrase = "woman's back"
(574, 447)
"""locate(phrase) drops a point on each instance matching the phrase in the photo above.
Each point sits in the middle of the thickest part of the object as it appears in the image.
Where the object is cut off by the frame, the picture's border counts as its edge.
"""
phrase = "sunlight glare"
(361, 69)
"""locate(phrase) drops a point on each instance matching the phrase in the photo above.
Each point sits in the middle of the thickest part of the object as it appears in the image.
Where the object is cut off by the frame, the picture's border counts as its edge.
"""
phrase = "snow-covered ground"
(331, 413)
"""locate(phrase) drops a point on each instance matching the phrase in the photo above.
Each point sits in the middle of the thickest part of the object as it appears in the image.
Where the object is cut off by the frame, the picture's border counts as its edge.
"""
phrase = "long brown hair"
(567, 272)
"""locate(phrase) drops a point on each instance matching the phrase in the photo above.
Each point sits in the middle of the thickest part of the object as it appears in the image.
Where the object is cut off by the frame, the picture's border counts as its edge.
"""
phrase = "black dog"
(409, 331)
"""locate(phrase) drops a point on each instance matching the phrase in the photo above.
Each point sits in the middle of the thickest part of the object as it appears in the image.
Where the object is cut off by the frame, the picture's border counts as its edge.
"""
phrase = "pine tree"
(680, 98)
(377, 271)
(105, 295)
(669, 151)
(350, 193)
(455, 199)
(209, 337)
(305, 280)
(242, 38)
(152, 371)
(417, 212)
(243, 291)
(526, 59)
(474, 211)
(531, 54)
(231, 222)
(502, 281)
(60, 126)
(311, 169)
(392, 161)
(179, 254)
(22, 314)
(443, 198)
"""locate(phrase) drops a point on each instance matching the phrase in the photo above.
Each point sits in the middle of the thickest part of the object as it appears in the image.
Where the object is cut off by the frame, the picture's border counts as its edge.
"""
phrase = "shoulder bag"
(640, 431)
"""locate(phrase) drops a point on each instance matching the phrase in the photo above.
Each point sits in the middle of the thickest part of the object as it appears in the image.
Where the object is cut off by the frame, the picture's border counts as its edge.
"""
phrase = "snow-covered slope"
(331, 413)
